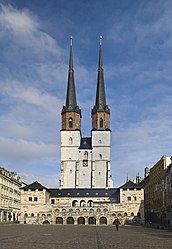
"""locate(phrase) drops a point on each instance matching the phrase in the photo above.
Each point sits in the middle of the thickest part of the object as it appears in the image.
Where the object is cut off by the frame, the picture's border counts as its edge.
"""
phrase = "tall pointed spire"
(100, 103)
(71, 103)
(71, 94)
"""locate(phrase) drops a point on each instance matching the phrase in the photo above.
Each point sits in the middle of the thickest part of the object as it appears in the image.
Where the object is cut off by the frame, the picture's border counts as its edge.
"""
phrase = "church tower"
(85, 161)
(70, 132)
(101, 132)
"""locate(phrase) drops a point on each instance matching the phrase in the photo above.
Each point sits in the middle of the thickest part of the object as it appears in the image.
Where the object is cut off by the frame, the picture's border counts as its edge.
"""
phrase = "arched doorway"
(70, 220)
(59, 220)
(81, 220)
(46, 222)
(103, 221)
(92, 221)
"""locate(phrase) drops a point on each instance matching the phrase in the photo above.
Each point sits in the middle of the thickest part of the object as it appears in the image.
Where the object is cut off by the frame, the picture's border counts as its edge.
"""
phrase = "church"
(85, 194)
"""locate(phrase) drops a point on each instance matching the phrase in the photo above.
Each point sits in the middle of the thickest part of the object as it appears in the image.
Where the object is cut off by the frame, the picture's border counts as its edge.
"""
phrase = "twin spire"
(100, 103)
(71, 103)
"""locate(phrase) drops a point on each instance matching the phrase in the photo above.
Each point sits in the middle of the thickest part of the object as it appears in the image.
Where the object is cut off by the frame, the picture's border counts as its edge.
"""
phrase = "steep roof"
(71, 103)
(131, 184)
(35, 185)
(100, 103)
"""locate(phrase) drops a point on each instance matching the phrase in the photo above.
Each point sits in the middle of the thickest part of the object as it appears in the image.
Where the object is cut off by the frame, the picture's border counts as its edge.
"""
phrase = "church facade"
(85, 194)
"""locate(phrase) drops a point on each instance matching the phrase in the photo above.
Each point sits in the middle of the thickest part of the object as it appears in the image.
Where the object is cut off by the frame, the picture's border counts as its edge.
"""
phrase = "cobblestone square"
(82, 237)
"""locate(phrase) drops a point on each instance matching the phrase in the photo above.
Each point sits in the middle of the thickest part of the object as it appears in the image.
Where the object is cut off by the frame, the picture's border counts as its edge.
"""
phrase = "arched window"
(32, 214)
(90, 203)
(86, 155)
(100, 156)
(70, 122)
(75, 203)
(101, 123)
(82, 203)
(70, 140)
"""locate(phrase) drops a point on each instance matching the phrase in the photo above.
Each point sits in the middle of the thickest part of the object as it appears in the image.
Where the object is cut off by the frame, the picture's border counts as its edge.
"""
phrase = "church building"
(85, 161)
(85, 194)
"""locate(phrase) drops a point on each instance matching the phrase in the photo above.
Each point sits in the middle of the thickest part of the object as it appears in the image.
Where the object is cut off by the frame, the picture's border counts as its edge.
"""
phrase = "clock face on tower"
(85, 163)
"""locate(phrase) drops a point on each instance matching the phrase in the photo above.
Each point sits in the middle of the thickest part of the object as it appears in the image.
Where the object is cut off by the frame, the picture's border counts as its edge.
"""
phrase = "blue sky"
(34, 54)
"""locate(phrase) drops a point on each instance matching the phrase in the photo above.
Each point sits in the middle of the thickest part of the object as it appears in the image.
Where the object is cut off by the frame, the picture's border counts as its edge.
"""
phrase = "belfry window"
(101, 123)
(70, 122)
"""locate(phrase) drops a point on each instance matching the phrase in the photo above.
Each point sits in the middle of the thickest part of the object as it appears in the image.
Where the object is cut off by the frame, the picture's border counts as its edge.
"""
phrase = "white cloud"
(22, 150)
(25, 29)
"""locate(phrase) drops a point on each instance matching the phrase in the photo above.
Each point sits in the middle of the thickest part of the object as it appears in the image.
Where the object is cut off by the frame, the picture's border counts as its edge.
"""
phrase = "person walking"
(117, 222)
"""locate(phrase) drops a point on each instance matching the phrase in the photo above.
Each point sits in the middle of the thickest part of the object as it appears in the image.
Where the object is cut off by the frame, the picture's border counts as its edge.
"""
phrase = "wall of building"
(155, 192)
(9, 195)
(90, 210)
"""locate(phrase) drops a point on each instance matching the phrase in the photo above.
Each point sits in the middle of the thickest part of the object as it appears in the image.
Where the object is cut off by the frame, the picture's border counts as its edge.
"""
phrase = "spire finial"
(71, 40)
(101, 40)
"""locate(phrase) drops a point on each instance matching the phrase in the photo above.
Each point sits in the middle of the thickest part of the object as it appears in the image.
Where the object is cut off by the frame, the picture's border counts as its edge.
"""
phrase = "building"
(9, 195)
(86, 194)
(85, 161)
(168, 191)
(155, 194)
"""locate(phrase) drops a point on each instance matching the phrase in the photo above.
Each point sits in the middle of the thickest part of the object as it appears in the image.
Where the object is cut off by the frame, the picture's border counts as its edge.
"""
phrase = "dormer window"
(70, 122)
(101, 123)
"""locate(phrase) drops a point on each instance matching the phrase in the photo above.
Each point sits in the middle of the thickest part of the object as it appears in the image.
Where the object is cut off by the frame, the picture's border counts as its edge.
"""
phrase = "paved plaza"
(15, 236)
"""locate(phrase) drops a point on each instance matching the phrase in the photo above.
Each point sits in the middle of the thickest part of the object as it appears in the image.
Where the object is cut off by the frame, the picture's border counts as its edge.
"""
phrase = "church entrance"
(103, 221)
(81, 220)
(59, 220)
(70, 220)
(92, 221)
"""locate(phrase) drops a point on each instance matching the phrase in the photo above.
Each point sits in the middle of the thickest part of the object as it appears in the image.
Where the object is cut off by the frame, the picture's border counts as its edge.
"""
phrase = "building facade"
(86, 194)
(85, 161)
(155, 192)
(9, 195)
(169, 194)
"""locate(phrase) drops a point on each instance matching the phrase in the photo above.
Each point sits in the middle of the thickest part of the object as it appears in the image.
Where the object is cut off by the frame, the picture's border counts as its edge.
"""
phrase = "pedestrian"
(116, 222)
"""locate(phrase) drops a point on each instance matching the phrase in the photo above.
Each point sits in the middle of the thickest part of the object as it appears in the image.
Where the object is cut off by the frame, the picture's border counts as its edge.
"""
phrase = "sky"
(34, 56)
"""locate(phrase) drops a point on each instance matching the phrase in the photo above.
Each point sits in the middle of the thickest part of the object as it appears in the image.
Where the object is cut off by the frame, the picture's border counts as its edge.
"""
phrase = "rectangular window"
(52, 201)
(30, 198)
(35, 198)
(135, 198)
(129, 198)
